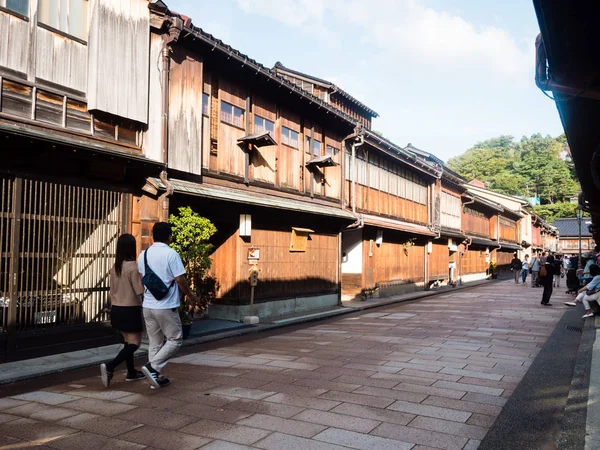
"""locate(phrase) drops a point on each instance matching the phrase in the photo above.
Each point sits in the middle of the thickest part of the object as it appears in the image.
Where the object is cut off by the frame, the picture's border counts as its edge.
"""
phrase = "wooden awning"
(258, 139)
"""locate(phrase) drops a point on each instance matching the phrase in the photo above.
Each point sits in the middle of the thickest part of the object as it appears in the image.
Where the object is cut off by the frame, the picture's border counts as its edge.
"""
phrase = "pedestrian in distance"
(525, 269)
(543, 258)
(516, 265)
(546, 277)
(557, 271)
(534, 269)
(126, 290)
(589, 292)
(163, 276)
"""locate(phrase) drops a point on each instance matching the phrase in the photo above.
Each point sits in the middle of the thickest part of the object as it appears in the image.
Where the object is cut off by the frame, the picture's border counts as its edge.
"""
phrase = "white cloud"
(405, 28)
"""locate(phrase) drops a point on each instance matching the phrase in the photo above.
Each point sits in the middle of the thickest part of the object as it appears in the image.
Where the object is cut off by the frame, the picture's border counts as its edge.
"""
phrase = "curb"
(573, 427)
(216, 337)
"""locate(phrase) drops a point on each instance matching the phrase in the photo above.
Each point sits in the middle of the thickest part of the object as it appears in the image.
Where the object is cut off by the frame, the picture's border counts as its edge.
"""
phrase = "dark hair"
(550, 259)
(594, 270)
(126, 251)
(161, 232)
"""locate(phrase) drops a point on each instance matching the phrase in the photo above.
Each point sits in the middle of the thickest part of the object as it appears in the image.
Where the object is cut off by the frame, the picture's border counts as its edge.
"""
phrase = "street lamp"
(579, 213)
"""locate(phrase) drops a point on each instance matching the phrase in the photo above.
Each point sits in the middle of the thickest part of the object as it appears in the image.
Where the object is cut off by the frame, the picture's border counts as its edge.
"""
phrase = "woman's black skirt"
(127, 318)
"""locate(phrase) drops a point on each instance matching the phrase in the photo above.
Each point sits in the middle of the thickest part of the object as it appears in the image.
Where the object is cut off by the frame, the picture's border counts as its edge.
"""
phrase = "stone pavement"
(430, 374)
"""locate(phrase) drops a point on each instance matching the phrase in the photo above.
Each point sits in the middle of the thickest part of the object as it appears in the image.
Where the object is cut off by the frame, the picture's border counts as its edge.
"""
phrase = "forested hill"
(535, 166)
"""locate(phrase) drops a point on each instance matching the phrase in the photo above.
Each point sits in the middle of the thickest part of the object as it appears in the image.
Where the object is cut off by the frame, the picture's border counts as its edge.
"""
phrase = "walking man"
(557, 271)
(516, 265)
(163, 324)
(546, 280)
(535, 269)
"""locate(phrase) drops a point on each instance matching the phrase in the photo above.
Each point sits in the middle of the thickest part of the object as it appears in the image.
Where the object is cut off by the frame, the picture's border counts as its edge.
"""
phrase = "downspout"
(173, 35)
(543, 79)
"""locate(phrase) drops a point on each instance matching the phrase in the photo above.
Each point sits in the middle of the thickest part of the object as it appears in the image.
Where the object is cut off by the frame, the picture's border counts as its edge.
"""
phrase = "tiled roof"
(570, 227)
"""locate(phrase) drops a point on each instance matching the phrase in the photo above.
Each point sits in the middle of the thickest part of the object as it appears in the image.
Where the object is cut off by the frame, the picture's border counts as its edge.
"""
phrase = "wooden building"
(568, 229)
(73, 126)
(261, 157)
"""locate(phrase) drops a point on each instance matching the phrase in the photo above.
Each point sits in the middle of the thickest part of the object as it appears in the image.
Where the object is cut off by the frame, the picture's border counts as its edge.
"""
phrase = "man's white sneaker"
(570, 303)
(585, 316)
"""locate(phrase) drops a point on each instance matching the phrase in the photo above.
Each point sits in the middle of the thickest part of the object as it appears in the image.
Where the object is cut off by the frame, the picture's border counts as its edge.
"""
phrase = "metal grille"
(6, 194)
(61, 255)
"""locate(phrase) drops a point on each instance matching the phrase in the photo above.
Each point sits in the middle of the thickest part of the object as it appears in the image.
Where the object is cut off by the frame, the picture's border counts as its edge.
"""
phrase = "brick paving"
(432, 374)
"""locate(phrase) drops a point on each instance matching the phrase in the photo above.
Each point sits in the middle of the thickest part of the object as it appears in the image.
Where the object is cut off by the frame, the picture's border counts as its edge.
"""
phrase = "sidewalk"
(212, 330)
(432, 374)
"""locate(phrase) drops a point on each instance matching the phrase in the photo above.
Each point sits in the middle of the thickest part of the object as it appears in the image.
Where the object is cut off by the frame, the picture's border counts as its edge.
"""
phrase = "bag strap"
(146, 266)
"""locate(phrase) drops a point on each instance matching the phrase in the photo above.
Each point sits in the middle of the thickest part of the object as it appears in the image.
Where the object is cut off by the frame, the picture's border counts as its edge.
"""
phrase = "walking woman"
(126, 290)
(525, 269)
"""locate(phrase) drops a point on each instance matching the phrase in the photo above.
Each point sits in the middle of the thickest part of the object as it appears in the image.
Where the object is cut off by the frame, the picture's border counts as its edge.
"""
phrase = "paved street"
(429, 374)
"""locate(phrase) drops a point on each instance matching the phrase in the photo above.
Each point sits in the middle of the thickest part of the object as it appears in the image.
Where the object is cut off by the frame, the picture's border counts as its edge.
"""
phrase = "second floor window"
(232, 114)
(261, 125)
(316, 147)
(68, 16)
(205, 104)
(289, 137)
(18, 6)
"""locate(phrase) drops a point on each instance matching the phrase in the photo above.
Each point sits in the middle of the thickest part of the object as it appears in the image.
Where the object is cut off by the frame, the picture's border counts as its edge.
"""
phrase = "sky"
(442, 74)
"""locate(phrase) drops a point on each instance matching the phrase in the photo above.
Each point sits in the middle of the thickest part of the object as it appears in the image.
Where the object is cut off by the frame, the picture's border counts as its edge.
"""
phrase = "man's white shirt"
(166, 263)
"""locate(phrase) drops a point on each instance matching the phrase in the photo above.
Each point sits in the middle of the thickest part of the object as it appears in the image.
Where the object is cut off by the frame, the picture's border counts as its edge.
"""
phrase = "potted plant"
(191, 235)
(494, 269)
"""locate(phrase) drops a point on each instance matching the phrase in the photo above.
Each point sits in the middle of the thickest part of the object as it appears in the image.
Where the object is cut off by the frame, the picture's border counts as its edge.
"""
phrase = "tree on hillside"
(528, 168)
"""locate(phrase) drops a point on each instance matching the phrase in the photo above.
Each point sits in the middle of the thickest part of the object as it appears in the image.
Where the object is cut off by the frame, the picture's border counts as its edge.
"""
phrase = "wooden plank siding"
(451, 207)
(473, 261)
(475, 222)
(388, 263)
(63, 61)
(438, 261)
(283, 274)
(508, 229)
(185, 112)
(15, 42)
(386, 187)
(118, 58)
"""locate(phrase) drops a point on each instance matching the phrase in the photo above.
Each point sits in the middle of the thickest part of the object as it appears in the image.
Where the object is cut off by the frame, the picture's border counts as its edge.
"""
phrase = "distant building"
(569, 235)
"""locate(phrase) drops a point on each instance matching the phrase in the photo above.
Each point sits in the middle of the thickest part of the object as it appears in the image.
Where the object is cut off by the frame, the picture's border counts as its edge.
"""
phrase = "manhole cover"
(578, 329)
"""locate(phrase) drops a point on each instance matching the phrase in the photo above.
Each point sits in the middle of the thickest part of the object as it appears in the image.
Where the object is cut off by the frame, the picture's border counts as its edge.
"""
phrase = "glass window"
(289, 137)
(332, 151)
(68, 16)
(232, 114)
(316, 148)
(18, 6)
(261, 125)
(205, 104)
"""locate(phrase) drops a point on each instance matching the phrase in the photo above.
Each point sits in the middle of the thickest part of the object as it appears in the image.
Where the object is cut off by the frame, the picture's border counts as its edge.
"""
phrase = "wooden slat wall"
(264, 159)
(374, 201)
(438, 261)
(231, 158)
(536, 236)
(64, 61)
(389, 263)
(503, 258)
(119, 58)
(152, 136)
(333, 175)
(283, 273)
(473, 261)
(15, 42)
(508, 229)
(474, 224)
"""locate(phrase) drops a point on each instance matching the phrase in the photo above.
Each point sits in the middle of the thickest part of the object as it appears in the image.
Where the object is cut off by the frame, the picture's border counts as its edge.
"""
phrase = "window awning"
(392, 224)
(483, 241)
(510, 246)
(258, 139)
(322, 161)
(255, 198)
(451, 232)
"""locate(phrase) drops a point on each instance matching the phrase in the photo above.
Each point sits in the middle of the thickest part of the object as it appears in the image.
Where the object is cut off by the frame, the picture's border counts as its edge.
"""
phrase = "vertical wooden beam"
(248, 148)
(13, 289)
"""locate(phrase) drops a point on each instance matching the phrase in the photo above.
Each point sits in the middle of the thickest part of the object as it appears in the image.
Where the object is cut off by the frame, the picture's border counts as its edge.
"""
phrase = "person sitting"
(589, 292)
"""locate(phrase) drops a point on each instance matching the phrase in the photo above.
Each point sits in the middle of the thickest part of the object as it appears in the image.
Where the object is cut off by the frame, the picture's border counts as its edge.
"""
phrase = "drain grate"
(578, 329)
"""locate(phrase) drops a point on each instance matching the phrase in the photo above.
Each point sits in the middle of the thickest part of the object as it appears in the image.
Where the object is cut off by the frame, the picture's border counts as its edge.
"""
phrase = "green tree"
(191, 235)
(555, 211)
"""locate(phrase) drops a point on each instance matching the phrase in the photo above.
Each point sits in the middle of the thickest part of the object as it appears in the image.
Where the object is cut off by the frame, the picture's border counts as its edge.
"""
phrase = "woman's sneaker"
(570, 303)
(152, 375)
(135, 376)
(163, 382)
(106, 375)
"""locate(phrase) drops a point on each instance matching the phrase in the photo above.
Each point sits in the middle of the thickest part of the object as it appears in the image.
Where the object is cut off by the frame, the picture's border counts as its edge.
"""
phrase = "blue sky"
(442, 74)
